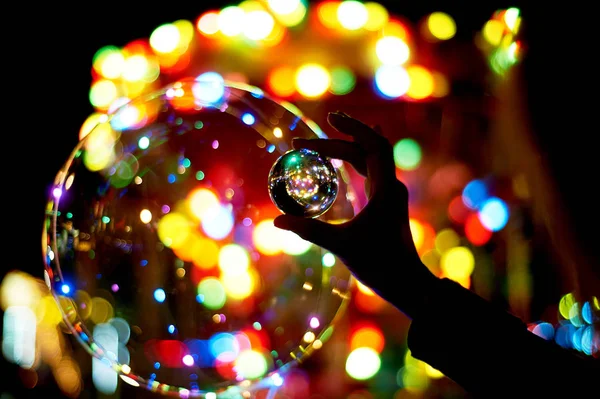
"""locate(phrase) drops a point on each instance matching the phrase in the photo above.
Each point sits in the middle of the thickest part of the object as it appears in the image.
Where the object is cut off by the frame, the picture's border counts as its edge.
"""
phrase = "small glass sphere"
(303, 183)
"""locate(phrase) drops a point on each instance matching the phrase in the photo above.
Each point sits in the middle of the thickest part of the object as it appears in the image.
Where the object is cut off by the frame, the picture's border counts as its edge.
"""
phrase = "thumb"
(320, 233)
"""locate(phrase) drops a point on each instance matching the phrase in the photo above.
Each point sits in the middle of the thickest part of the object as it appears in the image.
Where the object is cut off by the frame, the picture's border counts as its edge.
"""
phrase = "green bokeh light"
(407, 154)
(342, 81)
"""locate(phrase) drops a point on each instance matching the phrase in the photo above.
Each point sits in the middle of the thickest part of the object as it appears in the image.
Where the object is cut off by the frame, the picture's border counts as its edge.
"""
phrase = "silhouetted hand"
(376, 245)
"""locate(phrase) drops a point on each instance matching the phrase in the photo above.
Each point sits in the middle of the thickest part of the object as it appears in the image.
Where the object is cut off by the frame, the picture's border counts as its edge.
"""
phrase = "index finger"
(337, 149)
(379, 151)
(362, 133)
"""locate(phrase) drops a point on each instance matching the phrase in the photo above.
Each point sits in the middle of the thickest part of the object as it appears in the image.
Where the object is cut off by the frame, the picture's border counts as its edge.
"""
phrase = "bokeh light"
(407, 154)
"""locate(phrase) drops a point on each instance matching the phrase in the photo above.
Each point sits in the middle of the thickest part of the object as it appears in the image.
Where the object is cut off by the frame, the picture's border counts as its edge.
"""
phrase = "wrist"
(424, 295)
(416, 293)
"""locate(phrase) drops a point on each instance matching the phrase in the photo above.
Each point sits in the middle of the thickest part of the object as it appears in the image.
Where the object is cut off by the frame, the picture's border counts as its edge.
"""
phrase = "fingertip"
(345, 123)
(279, 221)
(339, 114)
(298, 142)
(334, 118)
(283, 222)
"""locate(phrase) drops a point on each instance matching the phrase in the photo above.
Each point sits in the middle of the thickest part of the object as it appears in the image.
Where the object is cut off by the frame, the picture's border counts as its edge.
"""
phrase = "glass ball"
(303, 183)
(161, 252)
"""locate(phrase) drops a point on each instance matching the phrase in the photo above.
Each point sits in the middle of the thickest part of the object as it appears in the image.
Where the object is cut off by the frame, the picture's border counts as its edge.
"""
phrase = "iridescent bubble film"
(303, 183)
(160, 246)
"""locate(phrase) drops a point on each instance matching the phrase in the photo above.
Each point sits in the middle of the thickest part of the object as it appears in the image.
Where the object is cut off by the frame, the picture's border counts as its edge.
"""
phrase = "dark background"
(47, 60)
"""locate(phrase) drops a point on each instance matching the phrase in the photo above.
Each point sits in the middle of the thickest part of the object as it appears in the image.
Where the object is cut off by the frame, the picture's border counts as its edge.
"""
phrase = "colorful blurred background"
(426, 73)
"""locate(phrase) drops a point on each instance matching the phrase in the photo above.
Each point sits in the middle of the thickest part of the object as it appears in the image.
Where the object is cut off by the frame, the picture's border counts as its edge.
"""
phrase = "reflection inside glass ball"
(303, 183)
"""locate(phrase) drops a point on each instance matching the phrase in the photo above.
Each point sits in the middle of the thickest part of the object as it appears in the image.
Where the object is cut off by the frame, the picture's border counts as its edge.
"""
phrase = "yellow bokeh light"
(99, 158)
(377, 16)
(251, 5)
(431, 259)
(251, 364)
(259, 25)
(84, 304)
(363, 363)
(206, 254)
(208, 23)
(47, 311)
(493, 31)
(173, 229)
(145, 216)
(283, 7)
(238, 286)
(512, 19)
(281, 81)
(312, 80)
(69, 309)
(102, 310)
(165, 39)
(233, 259)
(441, 86)
(327, 13)
(266, 238)
(134, 89)
(446, 239)
(90, 123)
(421, 82)
(277, 34)
(352, 14)
(109, 62)
(392, 50)
(99, 147)
(190, 248)
(417, 232)
(293, 244)
(369, 336)
(309, 337)
(295, 11)
(457, 263)
(186, 33)
(565, 305)
(231, 21)
(102, 93)
(136, 68)
(441, 26)
(19, 289)
(201, 201)
(396, 29)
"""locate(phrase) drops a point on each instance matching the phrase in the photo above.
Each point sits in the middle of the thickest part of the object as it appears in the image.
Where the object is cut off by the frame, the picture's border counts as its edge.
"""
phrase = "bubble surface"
(160, 246)
(303, 183)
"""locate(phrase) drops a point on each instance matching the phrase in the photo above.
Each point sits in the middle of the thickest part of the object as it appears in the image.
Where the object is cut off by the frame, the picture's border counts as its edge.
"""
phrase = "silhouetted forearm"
(490, 352)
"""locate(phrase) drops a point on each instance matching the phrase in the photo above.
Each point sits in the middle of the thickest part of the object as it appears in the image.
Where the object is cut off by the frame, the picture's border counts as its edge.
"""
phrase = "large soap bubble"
(161, 251)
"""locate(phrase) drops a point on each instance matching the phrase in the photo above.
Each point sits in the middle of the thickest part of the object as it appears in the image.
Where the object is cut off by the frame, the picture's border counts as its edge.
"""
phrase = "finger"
(379, 151)
(365, 135)
(337, 149)
(319, 233)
